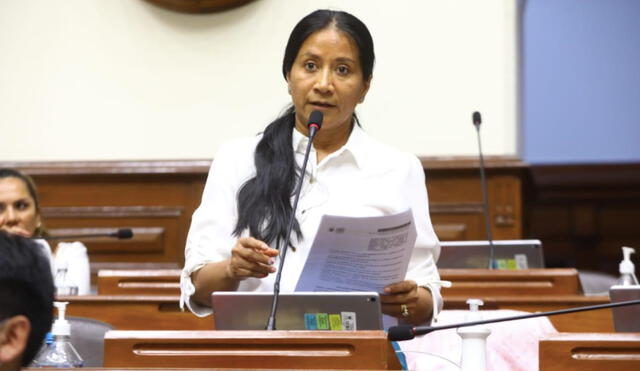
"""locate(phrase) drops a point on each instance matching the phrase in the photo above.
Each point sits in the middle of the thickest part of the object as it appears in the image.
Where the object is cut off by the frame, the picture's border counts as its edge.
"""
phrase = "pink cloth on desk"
(511, 345)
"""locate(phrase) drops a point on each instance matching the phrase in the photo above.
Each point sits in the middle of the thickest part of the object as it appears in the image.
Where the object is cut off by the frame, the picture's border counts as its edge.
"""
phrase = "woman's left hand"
(400, 299)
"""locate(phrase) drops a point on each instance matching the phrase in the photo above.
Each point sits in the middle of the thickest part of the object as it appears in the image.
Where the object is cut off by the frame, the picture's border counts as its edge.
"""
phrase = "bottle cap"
(474, 312)
(626, 265)
(61, 326)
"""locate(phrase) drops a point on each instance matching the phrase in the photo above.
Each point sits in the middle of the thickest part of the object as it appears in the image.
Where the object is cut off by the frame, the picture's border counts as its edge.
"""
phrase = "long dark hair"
(264, 201)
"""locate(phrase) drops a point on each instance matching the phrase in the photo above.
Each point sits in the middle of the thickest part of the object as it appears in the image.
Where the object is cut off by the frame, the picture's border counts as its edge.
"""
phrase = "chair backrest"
(87, 336)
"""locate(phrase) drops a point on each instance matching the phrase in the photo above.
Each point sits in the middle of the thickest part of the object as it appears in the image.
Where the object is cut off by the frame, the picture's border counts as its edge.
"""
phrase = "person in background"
(26, 300)
(19, 205)
(20, 212)
(242, 220)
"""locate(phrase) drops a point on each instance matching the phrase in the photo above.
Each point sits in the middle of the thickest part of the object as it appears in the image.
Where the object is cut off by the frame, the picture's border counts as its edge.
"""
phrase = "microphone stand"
(315, 121)
(407, 332)
(477, 120)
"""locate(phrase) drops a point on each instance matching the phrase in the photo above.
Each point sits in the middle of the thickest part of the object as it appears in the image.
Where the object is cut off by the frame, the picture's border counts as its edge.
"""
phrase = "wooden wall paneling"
(157, 199)
(455, 196)
(584, 213)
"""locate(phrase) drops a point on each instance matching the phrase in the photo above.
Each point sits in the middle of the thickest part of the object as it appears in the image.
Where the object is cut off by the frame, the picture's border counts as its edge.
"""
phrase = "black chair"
(87, 336)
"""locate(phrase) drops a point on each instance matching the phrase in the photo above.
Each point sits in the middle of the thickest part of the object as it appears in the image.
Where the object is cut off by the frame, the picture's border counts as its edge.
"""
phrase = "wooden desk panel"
(486, 282)
(469, 282)
(137, 312)
(355, 350)
(163, 313)
(139, 282)
(590, 352)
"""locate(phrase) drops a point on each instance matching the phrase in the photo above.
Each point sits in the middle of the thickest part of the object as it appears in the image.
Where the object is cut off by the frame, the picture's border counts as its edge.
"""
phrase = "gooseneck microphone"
(121, 234)
(408, 332)
(477, 120)
(314, 124)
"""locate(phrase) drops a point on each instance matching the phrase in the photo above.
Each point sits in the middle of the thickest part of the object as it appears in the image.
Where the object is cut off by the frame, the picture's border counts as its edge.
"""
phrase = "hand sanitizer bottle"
(627, 269)
(60, 353)
(474, 339)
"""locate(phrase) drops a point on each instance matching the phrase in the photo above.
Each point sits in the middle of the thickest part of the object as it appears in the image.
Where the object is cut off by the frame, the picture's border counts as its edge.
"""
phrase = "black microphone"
(121, 234)
(408, 332)
(477, 120)
(314, 123)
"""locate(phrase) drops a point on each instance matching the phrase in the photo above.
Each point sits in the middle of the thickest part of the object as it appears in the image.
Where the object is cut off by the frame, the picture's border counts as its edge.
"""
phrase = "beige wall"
(123, 79)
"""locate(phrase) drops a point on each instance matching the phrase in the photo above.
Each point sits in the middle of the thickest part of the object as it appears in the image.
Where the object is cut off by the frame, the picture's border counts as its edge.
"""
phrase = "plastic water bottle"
(60, 353)
(627, 269)
(62, 281)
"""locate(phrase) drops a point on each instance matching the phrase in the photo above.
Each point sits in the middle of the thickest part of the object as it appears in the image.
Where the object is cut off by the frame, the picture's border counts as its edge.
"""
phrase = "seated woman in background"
(242, 221)
(20, 214)
(19, 205)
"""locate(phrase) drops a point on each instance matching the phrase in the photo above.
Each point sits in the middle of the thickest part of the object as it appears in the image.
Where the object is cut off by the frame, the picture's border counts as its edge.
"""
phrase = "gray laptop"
(240, 310)
(627, 318)
(508, 254)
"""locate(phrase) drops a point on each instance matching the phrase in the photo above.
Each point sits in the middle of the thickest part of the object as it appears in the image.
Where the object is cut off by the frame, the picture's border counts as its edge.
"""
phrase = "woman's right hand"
(251, 258)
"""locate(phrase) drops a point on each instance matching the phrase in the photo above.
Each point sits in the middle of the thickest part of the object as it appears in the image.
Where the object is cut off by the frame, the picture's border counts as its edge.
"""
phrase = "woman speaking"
(242, 220)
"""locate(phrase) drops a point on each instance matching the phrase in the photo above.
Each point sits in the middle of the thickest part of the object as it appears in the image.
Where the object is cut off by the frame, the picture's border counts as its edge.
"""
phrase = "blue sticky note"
(310, 321)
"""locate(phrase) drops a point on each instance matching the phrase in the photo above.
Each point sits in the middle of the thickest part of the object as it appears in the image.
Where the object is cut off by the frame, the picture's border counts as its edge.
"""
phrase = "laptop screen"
(241, 310)
(627, 318)
(508, 254)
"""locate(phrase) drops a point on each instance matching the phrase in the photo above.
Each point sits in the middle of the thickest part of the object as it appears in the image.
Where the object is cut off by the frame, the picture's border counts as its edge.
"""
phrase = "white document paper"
(359, 254)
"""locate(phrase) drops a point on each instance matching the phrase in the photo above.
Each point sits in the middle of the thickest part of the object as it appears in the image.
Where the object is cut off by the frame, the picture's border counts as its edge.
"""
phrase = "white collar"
(354, 146)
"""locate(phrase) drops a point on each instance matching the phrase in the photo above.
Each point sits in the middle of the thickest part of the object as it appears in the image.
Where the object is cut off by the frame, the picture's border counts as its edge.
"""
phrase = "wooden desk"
(355, 350)
(487, 282)
(139, 282)
(137, 312)
(590, 352)
(466, 282)
(163, 312)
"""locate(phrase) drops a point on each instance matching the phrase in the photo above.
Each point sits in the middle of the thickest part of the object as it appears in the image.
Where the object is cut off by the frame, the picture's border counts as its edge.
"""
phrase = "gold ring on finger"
(404, 310)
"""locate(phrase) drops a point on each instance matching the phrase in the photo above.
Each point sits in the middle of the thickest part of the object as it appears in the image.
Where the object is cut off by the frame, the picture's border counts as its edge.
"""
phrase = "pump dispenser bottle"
(627, 268)
(474, 339)
(60, 353)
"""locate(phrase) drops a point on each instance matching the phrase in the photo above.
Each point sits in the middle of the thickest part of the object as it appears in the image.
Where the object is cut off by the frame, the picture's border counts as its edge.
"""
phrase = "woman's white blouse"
(363, 178)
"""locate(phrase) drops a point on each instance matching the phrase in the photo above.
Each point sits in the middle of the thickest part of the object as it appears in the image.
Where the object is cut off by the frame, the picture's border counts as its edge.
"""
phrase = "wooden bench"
(590, 352)
(356, 350)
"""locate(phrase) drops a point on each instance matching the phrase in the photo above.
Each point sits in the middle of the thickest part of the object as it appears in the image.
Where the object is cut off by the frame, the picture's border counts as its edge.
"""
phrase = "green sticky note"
(323, 321)
(502, 263)
(335, 321)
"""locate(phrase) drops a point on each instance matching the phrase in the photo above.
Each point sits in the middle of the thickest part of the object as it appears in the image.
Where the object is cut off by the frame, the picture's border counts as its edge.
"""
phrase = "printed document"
(359, 254)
